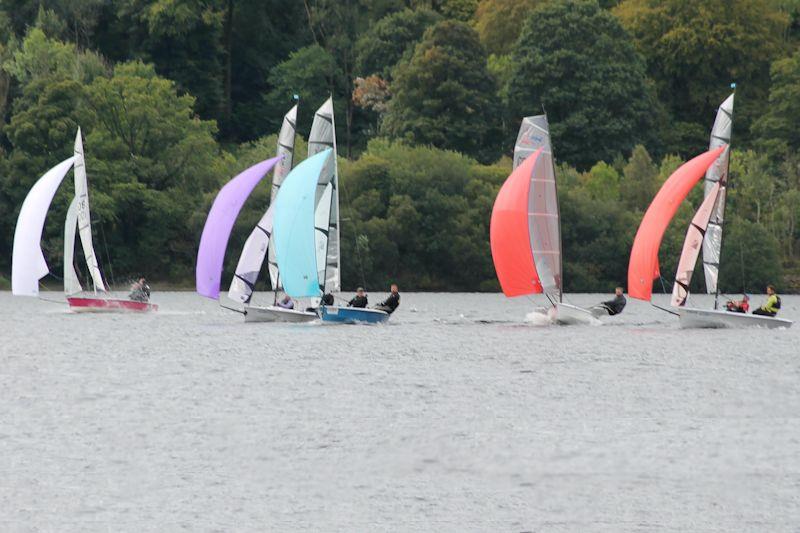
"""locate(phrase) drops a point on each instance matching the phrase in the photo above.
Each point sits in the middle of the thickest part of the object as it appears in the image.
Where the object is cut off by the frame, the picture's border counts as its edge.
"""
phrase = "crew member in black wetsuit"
(327, 299)
(359, 300)
(392, 302)
(615, 306)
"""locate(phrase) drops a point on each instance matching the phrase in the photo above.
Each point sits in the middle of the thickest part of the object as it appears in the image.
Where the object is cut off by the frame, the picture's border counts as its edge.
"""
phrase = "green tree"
(498, 22)
(576, 60)
(639, 182)
(694, 50)
(391, 39)
(777, 128)
(445, 96)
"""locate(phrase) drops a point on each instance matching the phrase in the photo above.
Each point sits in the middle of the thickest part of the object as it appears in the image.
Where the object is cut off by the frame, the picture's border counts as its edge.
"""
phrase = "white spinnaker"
(72, 284)
(323, 136)
(28, 265)
(691, 246)
(84, 216)
(286, 149)
(718, 172)
(543, 216)
(249, 265)
(257, 247)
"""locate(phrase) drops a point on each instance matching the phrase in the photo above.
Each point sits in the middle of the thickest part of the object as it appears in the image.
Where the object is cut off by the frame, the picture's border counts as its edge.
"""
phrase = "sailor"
(392, 302)
(738, 306)
(615, 306)
(359, 300)
(327, 299)
(772, 305)
(286, 302)
(140, 291)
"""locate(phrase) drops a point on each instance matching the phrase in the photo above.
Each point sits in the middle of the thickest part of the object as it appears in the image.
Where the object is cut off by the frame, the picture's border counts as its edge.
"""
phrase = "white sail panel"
(543, 216)
(253, 253)
(286, 140)
(84, 216)
(28, 265)
(322, 233)
(72, 284)
(692, 245)
(717, 173)
(323, 136)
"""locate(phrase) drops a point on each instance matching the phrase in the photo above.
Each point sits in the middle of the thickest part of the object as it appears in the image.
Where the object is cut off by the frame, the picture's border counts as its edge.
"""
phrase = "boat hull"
(277, 314)
(352, 315)
(712, 318)
(570, 315)
(109, 305)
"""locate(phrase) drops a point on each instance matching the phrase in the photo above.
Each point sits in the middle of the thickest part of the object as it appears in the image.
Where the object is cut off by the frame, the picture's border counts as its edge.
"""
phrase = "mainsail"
(84, 216)
(691, 247)
(643, 266)
(72, 284)
(218, 226)
(28, 265)
(543, 216)
(321, 138)
(257, 245)
(718, 173)
(295, 232)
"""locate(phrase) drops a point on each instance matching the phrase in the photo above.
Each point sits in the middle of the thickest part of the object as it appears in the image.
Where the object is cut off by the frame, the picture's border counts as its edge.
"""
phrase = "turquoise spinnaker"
(293, 226)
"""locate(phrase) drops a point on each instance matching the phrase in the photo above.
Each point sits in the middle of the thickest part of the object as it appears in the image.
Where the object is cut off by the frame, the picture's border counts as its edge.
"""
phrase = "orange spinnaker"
(643, 266)
(509, 233)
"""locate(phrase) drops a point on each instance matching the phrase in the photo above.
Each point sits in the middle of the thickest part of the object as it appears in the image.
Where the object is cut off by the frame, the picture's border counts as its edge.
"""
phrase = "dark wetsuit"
(327, 299)
(390, 304)
(358, 301)
(615, 306)
(140, 294)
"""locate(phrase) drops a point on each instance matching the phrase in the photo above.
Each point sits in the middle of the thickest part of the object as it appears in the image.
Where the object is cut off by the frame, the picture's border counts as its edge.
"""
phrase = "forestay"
(294, 223)
(321, 138)
(543, 216)
(84, 215)
(218, 226)
(718, 173)
(691, 247)
(28, 265)
(257, 247)
(72, 284)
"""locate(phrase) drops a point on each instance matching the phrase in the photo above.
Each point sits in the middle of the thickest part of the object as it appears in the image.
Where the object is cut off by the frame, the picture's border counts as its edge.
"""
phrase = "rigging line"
(232, 309)
(664, 309)
(108, 257)
(355, 236)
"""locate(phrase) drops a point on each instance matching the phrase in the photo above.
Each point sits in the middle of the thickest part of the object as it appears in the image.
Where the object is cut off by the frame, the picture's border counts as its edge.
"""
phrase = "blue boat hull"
(351, 315)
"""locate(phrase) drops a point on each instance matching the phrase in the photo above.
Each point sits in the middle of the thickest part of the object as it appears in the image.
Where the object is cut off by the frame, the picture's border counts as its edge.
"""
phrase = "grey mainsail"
(544, 224)
(717, 173)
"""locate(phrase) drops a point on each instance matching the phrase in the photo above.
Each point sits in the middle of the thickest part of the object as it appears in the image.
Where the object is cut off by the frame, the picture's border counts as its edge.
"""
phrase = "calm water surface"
(455, 416)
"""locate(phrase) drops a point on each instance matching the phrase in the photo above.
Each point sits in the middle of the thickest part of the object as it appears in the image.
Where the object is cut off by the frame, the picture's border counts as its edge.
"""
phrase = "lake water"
(455, 416)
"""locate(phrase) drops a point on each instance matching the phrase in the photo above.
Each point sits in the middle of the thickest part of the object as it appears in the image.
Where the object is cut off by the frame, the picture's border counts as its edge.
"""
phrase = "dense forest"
(175, 97)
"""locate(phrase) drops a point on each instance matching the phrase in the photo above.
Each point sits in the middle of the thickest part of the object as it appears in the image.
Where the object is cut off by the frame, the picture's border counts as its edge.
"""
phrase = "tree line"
(176, 96)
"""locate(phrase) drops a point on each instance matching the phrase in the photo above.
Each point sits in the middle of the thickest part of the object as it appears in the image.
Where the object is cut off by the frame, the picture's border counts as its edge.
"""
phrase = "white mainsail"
(691, 246)
(84, 216)
(257, 245)
(72, 284)
(718, 173)
(322, 137)
(543, 216)
(28, 265)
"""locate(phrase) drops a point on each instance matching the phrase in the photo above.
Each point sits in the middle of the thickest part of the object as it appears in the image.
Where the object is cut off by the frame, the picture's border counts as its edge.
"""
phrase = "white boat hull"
(568, 315)
(277, 314)
(712, 318)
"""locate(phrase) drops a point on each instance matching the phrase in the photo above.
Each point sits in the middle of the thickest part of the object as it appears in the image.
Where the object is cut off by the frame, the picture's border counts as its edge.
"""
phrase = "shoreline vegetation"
(428, 99)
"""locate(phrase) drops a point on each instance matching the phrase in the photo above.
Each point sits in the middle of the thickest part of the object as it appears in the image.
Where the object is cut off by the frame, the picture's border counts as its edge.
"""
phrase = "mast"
(723, 196)
(558, 216)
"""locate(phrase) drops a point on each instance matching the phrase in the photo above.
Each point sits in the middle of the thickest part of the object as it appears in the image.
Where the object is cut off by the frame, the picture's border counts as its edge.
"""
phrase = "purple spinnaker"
(219, 224)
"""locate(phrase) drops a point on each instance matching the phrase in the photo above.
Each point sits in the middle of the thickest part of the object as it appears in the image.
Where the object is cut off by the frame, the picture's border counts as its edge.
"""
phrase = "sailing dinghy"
(28, 262)
(706, 229)
(525, 229)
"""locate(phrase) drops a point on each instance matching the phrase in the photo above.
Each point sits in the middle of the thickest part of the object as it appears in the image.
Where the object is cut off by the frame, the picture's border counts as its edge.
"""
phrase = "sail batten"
(28, 264)
(718, 173)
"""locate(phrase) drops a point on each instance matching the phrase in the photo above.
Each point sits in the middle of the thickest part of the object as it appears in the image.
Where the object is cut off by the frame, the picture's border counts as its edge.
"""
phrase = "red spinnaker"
(509, 233)
(643, 266)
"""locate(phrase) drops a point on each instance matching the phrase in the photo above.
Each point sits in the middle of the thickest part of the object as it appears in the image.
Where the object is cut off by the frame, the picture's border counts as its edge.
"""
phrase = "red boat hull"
(104, 305)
